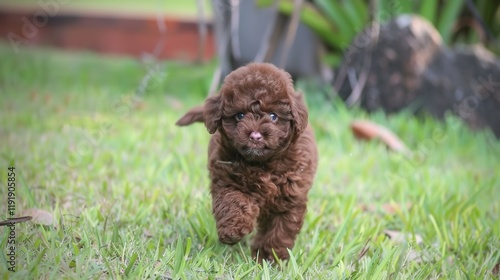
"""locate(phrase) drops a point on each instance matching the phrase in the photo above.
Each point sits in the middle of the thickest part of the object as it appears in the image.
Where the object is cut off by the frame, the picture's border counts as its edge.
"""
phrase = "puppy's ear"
(299, 113)
(192, 116)
(212, 113)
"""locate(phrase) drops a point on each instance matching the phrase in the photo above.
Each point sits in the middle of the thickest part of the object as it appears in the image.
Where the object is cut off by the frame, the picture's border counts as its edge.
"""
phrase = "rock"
(411, 69)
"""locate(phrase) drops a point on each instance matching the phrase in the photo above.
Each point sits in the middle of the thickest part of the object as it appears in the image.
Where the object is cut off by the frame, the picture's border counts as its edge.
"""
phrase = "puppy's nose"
(255, 136)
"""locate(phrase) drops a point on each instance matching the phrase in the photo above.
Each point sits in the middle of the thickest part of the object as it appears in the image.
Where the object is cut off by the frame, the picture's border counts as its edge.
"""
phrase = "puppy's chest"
(269, 184)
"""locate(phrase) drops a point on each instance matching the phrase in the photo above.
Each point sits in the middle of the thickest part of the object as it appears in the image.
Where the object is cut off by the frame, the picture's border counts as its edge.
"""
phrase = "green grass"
(170, 7)
(129, 189)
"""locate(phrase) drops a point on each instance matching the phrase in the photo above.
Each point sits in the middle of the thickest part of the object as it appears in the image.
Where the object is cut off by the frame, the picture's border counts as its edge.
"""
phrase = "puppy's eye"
(273, 116)
(239, 116)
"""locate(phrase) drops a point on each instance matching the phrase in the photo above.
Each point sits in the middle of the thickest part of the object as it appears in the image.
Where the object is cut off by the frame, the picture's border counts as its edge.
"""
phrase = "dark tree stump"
(411, 69)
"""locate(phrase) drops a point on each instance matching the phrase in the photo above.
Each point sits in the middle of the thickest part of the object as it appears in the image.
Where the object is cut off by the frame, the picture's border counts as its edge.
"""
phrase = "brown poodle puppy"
(262, 158)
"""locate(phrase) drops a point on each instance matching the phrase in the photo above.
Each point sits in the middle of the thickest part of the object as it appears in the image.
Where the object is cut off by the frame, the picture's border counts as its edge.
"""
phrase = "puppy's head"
(257, 110)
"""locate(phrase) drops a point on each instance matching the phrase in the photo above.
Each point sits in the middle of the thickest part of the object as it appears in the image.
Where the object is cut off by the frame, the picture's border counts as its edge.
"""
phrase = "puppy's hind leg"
(235, 215)
(277, 233)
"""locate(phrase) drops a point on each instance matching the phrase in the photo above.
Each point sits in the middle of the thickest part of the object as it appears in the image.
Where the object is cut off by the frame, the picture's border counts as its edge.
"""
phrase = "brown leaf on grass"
(389, 208)
(368, 207)
(400, 237)
(147, 233)
(33, 95)
(174, 103)
(496, 269)
(392, 208)
(47, 98)
(67, 99)
(414, 256)
(140, 105)
(40, 217)
(366, 130)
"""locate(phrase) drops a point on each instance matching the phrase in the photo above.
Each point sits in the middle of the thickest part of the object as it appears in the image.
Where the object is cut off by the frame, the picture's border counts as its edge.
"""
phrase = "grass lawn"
(170, 7)
(128, 190)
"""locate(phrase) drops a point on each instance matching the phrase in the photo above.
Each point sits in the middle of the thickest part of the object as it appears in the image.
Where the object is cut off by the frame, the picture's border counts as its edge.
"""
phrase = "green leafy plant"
(336, 22)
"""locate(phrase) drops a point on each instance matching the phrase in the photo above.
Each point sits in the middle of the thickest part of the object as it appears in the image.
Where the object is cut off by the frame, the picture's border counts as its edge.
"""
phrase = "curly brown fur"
(262, 158)
(194, 115)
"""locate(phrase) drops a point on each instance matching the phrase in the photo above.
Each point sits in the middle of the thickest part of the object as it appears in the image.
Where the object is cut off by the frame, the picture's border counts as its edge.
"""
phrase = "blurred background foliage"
(337, 22)
(178, 8)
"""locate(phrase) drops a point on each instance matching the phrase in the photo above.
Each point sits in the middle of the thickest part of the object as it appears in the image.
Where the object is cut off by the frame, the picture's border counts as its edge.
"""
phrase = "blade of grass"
(335, 13)
(355, 13)
(181, 255)
(265, 271)
(33, 265)
(131, 263)
(316, 21)
(428, 9)
(450, 11)
(363, 11)
(293, 263)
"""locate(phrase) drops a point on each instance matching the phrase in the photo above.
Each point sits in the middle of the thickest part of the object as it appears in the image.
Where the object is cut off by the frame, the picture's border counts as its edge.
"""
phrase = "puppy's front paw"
(233, 234)
(235, 215)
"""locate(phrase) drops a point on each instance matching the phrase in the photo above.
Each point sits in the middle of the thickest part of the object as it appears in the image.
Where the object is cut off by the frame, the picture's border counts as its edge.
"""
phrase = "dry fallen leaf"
(389, 208)
(413, 256)
(366, 130)
(496, 269)
(400, 237)
(368, 207)
(40, 217)
(47, 98)
(174, 103)
(392, 208)
(147, 233)
(33, 95)
(139, 105)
